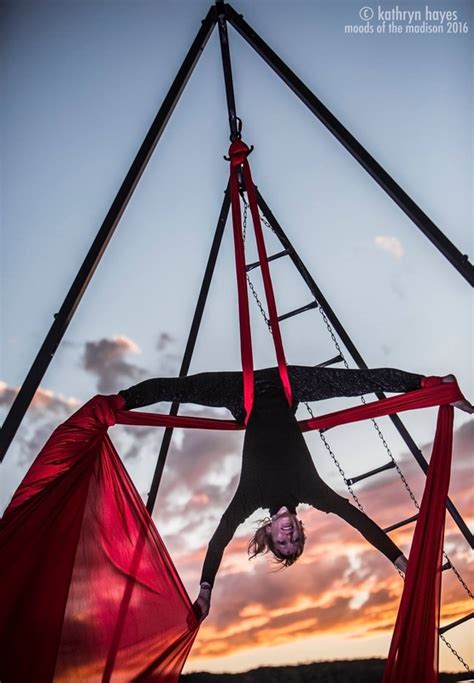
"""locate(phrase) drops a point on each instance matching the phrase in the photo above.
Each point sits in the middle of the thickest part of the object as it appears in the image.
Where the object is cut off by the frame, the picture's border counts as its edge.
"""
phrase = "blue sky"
(81, 83)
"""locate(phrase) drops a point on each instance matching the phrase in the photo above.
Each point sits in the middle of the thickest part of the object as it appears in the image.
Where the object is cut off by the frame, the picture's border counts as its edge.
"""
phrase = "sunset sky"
(81, 83)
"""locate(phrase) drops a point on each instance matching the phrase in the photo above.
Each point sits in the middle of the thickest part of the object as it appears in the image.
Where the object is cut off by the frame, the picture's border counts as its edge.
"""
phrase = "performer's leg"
(215, 389)
(314, 383)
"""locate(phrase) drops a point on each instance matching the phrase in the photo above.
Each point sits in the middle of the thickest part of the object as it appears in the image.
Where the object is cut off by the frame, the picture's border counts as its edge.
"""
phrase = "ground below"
(351, 671)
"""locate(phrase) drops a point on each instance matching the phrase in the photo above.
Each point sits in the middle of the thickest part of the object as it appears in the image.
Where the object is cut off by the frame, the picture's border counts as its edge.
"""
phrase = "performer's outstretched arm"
(215, 389)
(236, 513)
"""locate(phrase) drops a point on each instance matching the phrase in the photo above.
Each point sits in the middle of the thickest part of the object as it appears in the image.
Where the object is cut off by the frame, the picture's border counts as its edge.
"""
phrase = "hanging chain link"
(459, 577)
(455, 653)
(389, 453)
(250, 283)
(374, 423)
(336, 462)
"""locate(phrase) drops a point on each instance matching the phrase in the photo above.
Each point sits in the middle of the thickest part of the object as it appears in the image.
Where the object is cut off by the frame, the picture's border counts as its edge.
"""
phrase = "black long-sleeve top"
(277, 468)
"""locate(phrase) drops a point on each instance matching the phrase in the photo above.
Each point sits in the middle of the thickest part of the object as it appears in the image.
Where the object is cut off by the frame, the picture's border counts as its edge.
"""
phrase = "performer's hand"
(462, 404)
(203, 602)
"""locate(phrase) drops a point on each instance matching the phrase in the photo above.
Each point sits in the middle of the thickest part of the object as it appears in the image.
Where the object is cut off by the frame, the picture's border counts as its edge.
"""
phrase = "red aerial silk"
(87, 587)
(413, 655)
(238, 153)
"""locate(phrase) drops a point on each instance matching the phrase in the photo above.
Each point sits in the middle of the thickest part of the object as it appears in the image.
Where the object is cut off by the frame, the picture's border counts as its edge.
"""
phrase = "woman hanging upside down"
(277, 469)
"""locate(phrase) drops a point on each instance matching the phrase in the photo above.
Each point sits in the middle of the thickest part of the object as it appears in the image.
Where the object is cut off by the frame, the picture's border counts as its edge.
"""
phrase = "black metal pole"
(86, 271)
(190, 344)
(234, 121)
(348, 343)
(422, 221)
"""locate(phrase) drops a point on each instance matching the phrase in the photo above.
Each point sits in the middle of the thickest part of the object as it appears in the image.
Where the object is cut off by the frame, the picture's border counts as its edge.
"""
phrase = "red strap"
(129, 417)
(421, 398)
(238, 153)
(237, 156)
(431, 381)
(267, 283)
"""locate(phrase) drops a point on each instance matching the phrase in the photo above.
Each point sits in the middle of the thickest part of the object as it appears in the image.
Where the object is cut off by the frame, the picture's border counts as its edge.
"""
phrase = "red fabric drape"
(238, 153)
(87, 587)
(426, 397)
(413, 655)
(86, 584)
(244, 312)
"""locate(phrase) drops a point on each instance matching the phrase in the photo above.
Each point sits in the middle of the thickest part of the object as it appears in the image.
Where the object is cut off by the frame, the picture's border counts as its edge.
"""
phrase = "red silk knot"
(431, 381)
(238, 152)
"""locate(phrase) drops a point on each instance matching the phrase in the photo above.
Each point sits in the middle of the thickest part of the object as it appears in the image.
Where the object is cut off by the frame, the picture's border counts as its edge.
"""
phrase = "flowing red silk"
(238, 153)
(413, 655)
(88, 589)
(244, 312)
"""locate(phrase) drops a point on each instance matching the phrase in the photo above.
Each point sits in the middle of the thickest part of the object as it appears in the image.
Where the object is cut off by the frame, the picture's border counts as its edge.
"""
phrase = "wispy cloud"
(106, 360)
(390, 244)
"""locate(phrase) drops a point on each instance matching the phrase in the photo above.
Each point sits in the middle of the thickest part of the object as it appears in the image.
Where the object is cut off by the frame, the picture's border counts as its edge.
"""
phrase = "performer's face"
(285, 530)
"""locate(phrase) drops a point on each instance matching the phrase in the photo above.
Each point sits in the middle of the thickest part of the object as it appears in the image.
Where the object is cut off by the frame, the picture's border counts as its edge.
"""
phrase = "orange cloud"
(43, 399)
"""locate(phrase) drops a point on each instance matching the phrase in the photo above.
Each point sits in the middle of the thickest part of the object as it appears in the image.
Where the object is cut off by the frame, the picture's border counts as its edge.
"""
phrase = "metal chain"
(259, 304)
(455, 653)
(400, 474)
(249, 281)
(374, 423)
(459, 577)
(336, 462)
(363, 400)
(390, 454)
(244, 222)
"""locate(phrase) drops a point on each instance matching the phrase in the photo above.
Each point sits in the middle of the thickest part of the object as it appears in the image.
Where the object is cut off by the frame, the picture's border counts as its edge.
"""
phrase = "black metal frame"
(190, 344)
(222, 13)
(422, 221)
(87, 269)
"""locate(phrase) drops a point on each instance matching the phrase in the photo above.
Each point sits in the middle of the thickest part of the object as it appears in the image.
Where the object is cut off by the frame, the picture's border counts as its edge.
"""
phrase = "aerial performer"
(278, 472)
